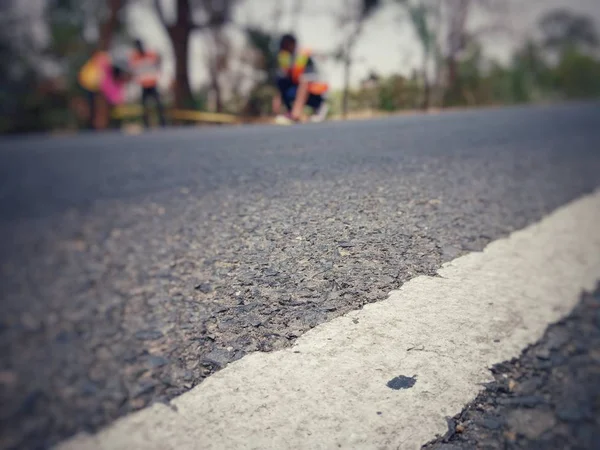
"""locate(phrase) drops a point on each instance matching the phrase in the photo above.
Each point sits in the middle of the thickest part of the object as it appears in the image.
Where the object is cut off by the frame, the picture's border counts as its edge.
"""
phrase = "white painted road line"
(330, 389)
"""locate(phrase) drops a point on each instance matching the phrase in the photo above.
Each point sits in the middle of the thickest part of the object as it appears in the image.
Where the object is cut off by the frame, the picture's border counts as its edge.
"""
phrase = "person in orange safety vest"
(298, 82)
(145, 65)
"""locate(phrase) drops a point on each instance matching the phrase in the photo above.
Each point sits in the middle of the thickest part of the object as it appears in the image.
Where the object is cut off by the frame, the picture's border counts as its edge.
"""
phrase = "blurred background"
(219, 56)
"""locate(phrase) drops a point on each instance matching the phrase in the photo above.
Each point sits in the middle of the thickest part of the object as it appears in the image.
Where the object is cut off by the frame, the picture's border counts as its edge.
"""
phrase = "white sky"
(387, 45)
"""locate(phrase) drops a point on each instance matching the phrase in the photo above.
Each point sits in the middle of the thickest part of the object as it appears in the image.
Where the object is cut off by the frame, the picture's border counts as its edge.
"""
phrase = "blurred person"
(145, 65)
(298, 83)
(102, 75)
(90, 79)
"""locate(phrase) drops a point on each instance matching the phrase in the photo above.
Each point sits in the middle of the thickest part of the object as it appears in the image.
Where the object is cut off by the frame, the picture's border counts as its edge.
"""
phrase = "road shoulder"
(548, 398)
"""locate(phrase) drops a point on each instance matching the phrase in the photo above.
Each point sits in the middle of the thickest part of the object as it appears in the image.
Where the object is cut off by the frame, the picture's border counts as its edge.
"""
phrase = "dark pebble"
(246, 308)
(528, 401)
(558, 360)
(491, 424)
(573, 413)
(205, 288)
(157, 361)
(497, 387)
(131, 355)
(401, 382)
(501, 368)
(144, 387)
(148, 335)
(557, 338)
(219, 357)
(543, 354)
(588, 435)
(63, 337)
(89, 388)
(30, 402)
(529, 386)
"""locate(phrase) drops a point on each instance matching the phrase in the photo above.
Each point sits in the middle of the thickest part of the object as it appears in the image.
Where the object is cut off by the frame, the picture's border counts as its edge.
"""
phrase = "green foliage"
(264, 43)
(259, 102)
(564, 29)
(18, 73)
(530, 76)
(73, 27)
(578, 75)
(389, 94)
(66, 21)
(394, 94)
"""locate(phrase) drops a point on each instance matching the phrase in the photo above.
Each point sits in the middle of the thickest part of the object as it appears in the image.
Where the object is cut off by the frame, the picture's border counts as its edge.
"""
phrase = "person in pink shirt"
(113, 84)
(103, 75)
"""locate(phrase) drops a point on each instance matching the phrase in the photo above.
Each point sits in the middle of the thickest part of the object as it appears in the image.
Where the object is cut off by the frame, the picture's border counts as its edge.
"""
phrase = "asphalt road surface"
(133, 267)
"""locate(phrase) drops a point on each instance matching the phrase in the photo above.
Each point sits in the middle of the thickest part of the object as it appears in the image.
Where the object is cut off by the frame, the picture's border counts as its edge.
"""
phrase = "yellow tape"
(132, 111)
(200, 116)
(127, 111)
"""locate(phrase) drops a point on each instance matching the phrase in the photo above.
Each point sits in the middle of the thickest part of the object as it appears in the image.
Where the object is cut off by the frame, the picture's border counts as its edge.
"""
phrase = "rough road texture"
(132, 267)
(547, 399)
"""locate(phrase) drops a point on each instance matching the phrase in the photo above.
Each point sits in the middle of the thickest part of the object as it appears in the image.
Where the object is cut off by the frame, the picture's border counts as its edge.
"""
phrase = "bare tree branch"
(108, 27)
(160, 13)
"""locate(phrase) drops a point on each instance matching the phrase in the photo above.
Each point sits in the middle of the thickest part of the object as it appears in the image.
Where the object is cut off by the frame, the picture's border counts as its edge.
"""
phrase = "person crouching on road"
(298, 82)
(145, 65)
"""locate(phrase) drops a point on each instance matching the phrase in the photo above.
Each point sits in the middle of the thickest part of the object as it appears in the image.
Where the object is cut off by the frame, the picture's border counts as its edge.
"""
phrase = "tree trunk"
(180, 38)
(215, 86)
(179, 34)
(217, 60)
(218, 96)
(345, 98)
(107, 29)
(456, 40)
(453, 91)
(426, 93)
(426, 85)
(452, 71)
